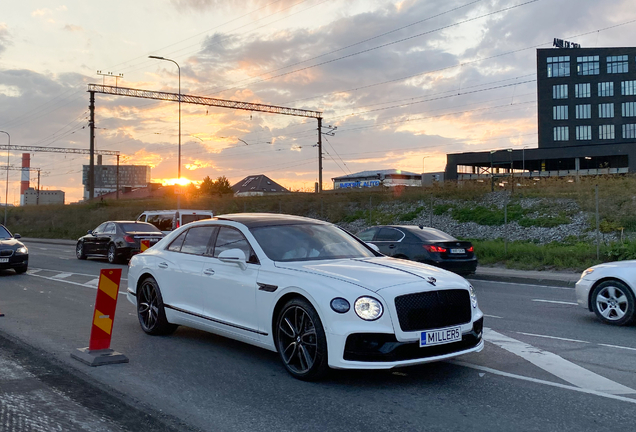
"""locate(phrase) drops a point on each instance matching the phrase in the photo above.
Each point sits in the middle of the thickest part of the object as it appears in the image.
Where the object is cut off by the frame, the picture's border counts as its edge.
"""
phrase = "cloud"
(73, 28)
(41, 12)
(5, 37)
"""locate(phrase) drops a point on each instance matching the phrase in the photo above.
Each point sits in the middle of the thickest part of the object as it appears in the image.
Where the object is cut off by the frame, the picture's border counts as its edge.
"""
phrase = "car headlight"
(587, 272)
(473, 296)
(22, 250)
(368, 308)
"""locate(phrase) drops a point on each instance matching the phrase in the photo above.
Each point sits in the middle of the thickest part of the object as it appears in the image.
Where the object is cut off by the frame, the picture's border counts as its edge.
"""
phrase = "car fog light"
(368, 308)
(340, 305)
(21, 250)
(473, 296)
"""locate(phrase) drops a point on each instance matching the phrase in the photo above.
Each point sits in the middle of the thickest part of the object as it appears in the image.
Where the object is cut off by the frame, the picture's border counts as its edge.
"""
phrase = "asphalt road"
(547, 365)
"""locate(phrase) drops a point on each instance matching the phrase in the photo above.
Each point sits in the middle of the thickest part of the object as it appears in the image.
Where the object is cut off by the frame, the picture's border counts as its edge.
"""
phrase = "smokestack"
(26, 173)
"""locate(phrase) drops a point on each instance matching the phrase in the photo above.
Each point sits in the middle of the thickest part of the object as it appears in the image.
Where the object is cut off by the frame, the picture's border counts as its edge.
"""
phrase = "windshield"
(139, 227)
(305, 242)
(4, 233)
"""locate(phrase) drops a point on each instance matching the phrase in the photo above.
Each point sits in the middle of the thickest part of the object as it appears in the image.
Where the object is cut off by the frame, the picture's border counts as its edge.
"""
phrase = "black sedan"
(13, 254)
(425, 245)
(116, 240)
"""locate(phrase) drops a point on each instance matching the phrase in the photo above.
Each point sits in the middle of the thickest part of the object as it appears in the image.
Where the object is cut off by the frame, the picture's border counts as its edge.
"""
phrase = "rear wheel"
(301, 340)
(613, 302)
(150, 309)
(111, 255)
(79, 251)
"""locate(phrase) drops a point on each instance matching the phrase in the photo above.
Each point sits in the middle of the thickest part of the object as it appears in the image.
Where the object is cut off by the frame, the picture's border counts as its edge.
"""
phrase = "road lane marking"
(540, 381)
(57, 271)
(556, 365)
(492, 316)
(85, 285)
(617, 346)
(62, 275)
(553, 337)
(555, 302)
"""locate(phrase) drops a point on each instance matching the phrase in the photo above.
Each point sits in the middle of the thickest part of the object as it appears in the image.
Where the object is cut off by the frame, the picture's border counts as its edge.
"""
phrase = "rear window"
(139, 227)
(187, 218)
(431, 234)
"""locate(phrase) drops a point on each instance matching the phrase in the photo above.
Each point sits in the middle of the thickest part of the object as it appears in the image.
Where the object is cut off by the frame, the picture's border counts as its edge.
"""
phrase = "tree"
(222, 186)
(207, 186)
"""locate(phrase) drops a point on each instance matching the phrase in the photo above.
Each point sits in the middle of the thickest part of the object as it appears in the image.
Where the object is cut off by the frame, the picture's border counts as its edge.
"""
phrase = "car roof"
(252, 220)
(174, 211)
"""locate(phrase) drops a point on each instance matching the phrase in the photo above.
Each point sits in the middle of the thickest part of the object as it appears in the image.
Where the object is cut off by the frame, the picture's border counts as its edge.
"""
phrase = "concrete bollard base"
(98, 357)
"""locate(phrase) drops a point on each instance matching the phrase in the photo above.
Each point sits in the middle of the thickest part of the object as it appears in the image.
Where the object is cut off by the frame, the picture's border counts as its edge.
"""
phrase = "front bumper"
(384, 351)
(582, 289)
(459, 266)
(16, 260)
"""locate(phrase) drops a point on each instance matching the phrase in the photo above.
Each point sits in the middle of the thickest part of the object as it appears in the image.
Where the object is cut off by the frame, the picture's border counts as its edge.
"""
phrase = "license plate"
(458, 251)
(4, 260)
(440, 336)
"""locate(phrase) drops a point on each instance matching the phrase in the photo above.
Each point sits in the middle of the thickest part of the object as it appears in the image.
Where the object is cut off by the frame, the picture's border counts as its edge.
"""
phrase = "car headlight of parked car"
(587, 272)
(22, 250)
(473, 296)
(368, 308)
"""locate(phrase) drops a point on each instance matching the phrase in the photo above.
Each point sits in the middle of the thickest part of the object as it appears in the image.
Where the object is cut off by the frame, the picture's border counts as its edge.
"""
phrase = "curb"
(63, 242)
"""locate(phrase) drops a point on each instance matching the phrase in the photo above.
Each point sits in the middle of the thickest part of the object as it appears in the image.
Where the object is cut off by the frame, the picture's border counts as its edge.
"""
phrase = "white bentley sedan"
(307, 289)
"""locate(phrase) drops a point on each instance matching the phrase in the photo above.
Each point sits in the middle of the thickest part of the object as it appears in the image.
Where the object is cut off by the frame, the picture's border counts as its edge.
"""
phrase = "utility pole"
(91, 164)
(37, 199)
(117, 197)
(319, 154)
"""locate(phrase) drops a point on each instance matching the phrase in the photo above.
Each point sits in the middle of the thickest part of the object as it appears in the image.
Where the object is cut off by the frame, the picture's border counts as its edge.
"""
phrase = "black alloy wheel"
(150, 310)
(613, 303)
(301, 341)
(79, 251)
(111, 255)
(21, 269)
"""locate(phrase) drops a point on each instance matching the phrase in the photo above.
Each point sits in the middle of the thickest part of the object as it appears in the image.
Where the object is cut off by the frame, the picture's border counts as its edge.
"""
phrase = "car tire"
(79, 251)
(111, 254)
(21, 269)
(301, 341)
(150, 309)
(613, 303)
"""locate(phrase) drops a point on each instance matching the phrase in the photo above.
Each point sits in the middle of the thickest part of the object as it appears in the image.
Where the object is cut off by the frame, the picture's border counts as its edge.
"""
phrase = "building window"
(582, 90)
(560, 91)
(606, 132)
(583, 133)
(560, 112)
(562, 133)
(605, 89)
(629, 109)
(558, 66)
(606, 110)
(587, 65)
(629, 130)
(628, 88)
(616, 64)
(584, 111)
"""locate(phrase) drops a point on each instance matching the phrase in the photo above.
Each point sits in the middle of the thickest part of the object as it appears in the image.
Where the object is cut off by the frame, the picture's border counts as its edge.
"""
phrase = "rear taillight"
(178, 224)
(470, 249)
(129, 239)
(433, 248)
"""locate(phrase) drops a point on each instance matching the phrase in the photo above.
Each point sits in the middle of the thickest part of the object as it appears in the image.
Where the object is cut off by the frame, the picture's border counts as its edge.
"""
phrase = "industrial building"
(374, 178)
(586, 102)
(109, 178)
(33, 196)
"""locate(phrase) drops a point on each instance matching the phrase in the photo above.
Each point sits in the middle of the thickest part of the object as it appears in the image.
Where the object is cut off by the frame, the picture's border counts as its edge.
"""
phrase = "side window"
(367, 235)
(230, 238)
(175, 246)
(196, 240)
(110, 229)
(100, 229)
(162, 221)
(389, 234)
(142, 218)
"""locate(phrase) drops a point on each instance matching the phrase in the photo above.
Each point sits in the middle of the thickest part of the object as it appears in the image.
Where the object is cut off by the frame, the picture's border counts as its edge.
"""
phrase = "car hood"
(9, 243)
(375, 273)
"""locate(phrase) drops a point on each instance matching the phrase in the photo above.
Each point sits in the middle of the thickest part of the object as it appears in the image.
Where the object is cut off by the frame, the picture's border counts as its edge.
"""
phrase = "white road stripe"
(555, 302)
(553, 337)
(492, 316)
(539, 381)
(78, 274)
(618, 346)
(557, 365)
(72, 283)
(62, 275)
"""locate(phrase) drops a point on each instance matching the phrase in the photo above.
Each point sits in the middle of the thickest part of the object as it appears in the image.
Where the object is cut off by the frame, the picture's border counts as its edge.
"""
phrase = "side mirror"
(235, 256)
(89, 232)
(373, 246)
(17, 236)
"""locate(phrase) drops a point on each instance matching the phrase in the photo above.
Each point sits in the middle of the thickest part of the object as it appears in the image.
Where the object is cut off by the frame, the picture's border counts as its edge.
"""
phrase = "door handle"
(391, 246)
(162, 265)
(208, 272)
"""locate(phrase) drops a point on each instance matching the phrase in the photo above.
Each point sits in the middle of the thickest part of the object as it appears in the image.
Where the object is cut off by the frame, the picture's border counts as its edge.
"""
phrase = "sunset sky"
(404, 82)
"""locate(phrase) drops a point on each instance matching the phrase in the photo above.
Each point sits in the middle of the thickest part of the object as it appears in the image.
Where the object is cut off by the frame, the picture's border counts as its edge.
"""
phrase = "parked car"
(307, 289)
(609, 290)
(422, 244)
(169, 220)
(13, 253)
(116, 240)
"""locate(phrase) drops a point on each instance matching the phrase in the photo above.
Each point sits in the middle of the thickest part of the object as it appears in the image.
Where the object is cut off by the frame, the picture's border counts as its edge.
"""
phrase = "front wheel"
(150, 309)
(21, 269)
(301, 340)
(79, 251)
(111, 255)
(613, 302)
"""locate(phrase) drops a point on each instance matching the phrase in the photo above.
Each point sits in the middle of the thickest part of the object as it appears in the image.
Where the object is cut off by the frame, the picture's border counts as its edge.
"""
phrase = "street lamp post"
(6, 192)
(179, 167)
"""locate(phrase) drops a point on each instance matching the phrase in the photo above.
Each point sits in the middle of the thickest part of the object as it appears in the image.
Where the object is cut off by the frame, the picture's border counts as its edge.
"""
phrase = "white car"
(609, 290)
(307, 289)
